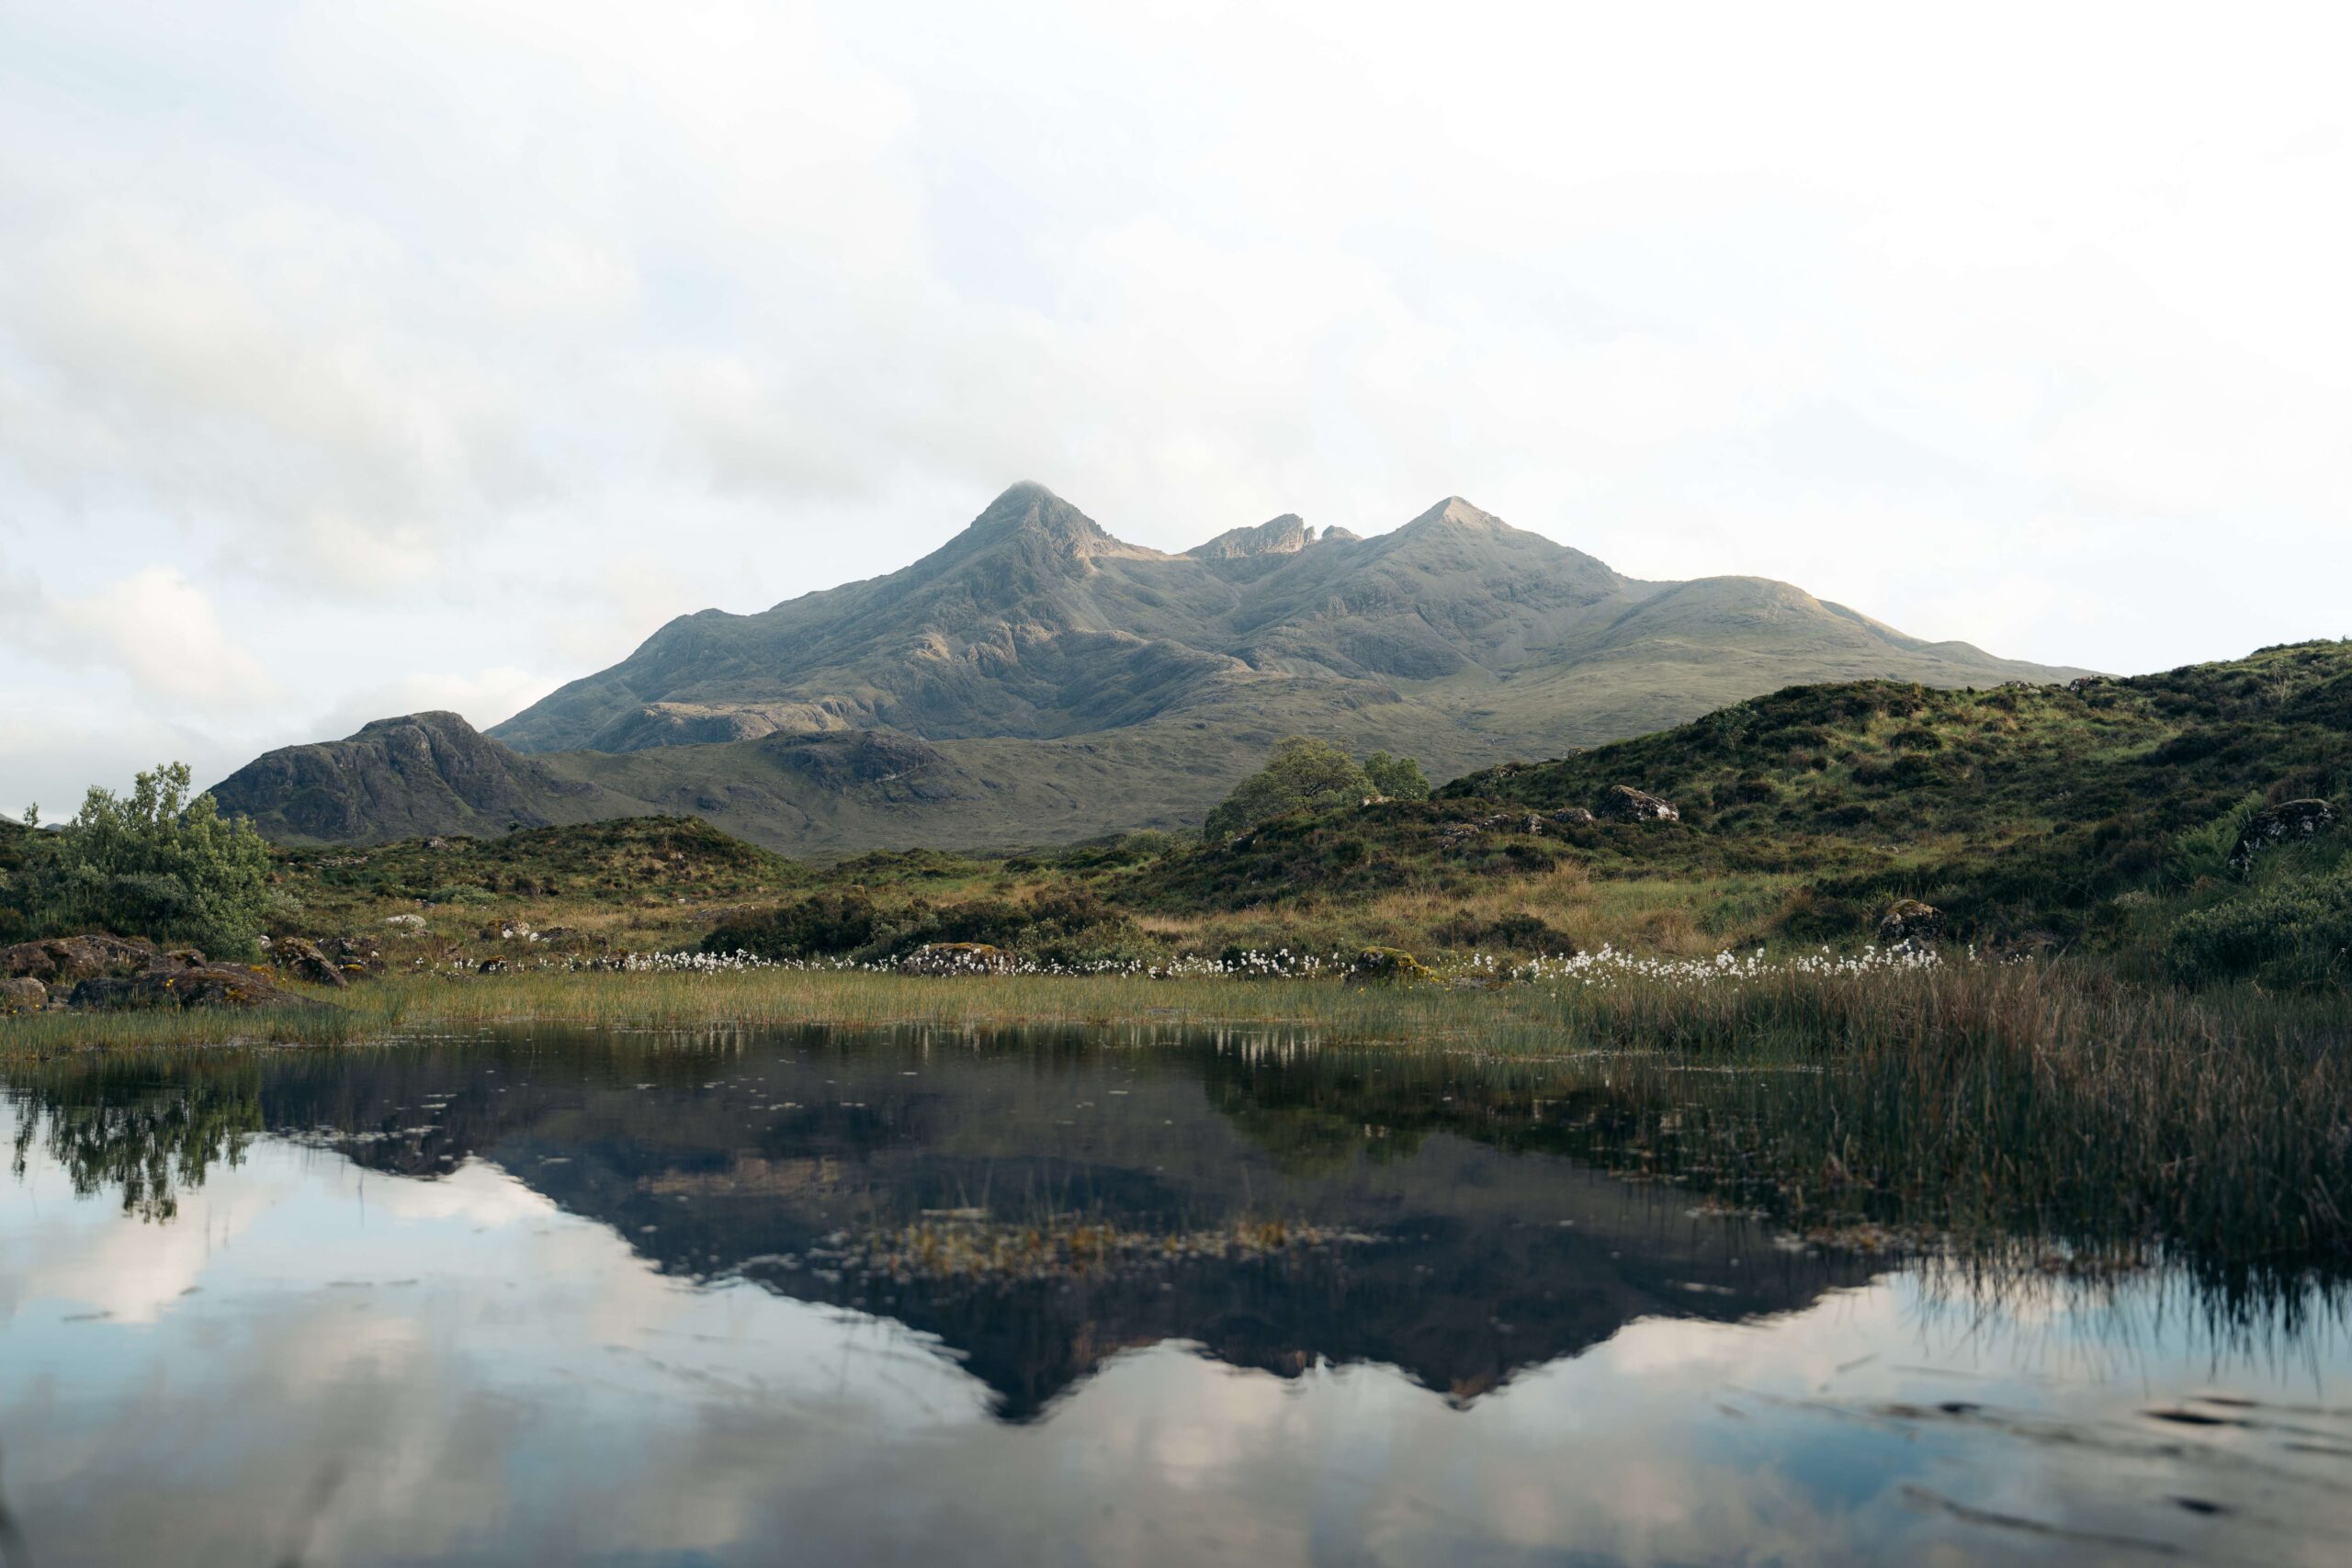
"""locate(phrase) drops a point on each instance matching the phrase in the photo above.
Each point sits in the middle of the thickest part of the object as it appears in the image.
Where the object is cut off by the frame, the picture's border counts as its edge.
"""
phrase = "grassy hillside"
(2102, 816)
(2017, 808)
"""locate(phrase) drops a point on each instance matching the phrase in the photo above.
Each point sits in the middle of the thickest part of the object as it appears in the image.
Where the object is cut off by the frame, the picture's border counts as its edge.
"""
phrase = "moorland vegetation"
(2066, 964)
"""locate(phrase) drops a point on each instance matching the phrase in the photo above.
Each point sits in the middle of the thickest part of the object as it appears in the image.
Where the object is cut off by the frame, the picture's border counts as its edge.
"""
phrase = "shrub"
(1301, 776)
(158, 863)
(458, 893)
(2295, 936)
(1507, 933)
(2203, 852)
(1398, 778)
(1066, 927)
(820, 925)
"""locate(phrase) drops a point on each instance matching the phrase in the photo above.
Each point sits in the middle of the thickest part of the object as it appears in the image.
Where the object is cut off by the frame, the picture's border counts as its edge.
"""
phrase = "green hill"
(2102, 809)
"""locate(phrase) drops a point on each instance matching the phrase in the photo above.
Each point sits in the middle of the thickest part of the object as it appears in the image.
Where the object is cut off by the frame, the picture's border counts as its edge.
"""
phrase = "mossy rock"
(1388, 966)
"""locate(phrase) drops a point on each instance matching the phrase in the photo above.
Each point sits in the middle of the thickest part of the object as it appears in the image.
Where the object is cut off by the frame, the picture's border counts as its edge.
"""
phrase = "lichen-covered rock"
(63, 960)
(1387, 967)
(1573, 817)
(958, 958)
(22, 993)
(356, 956)
(1623, 802)
(1910, 920)
(301, 959)
(2288, 822)
(205, 985)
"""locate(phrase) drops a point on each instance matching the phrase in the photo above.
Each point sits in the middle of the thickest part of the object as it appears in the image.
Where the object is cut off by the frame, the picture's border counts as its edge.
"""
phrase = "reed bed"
(2090, 1121)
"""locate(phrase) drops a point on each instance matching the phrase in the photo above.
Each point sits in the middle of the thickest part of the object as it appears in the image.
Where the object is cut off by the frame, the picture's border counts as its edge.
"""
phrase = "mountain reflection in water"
(1037, 1208)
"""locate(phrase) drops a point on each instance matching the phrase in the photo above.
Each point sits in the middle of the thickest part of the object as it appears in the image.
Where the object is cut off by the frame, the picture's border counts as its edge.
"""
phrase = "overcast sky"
(358, 359)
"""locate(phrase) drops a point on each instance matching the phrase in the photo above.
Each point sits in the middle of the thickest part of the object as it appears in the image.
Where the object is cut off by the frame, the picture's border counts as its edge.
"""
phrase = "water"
(1053, 1298)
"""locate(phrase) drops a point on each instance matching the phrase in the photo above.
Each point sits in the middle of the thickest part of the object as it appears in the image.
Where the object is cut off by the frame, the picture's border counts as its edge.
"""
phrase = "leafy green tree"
(1398, 778)
(159, 863)
(1301, 776)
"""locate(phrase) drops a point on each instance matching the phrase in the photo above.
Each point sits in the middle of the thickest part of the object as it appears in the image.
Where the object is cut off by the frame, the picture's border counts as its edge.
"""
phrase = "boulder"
(354, 956)
(1622, 803)
(2288, 822)
(301, 959)
(1573, 817)
(22, 993)
(1386, 966)
(958, 958)
(61, 960)
(1909, 921)
(205, 986)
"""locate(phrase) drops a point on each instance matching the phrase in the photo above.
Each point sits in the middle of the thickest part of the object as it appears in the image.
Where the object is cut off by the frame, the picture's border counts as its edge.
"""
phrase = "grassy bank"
(1994, 1105)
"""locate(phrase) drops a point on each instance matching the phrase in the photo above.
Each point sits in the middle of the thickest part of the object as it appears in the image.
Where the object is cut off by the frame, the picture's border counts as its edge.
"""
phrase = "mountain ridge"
(1065, 681)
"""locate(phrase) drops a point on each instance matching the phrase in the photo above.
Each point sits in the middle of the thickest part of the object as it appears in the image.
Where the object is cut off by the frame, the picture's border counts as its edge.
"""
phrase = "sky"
(358, 359)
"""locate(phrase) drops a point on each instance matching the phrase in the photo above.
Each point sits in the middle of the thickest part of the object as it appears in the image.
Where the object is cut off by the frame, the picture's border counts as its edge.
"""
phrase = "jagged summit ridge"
(1036, 622)
(1283, 536)
(1066, 683)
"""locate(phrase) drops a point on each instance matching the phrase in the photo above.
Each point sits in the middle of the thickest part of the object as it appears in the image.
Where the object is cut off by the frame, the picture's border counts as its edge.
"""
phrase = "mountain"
(1037, 679)
(413, 777)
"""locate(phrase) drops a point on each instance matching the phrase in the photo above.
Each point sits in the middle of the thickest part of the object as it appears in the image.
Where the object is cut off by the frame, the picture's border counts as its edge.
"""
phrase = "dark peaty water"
(1047, 1298)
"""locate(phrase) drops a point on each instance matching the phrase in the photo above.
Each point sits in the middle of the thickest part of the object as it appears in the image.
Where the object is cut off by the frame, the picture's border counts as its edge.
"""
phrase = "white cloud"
(154, 627)
(401, 332)
(483, 698)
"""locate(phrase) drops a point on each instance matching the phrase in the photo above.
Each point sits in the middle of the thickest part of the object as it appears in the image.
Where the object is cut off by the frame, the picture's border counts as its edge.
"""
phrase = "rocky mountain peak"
(1027, 514)
(1455, 513)
(1283, 536)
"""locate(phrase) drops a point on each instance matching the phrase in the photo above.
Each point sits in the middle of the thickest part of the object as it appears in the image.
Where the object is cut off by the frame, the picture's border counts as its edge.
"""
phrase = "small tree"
(157, 863)
(1301, 776)
(1398, 778)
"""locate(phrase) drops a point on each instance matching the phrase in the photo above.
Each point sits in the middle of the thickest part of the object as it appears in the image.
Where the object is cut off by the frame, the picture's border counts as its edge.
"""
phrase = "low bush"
(820, 925)
(2296, 934)
(1464, 932)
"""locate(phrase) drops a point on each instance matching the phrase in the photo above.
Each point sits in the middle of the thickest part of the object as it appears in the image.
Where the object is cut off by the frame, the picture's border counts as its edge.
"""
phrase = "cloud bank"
(426, 354)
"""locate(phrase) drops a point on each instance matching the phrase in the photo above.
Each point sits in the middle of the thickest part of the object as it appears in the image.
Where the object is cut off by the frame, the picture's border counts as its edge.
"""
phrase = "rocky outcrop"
(1387, 967)
(1912, 921)
(22, 993)
(1623, 802)
(168, 985)
(60, 962)
(409, 777)
(301, 960)
(2288, 822)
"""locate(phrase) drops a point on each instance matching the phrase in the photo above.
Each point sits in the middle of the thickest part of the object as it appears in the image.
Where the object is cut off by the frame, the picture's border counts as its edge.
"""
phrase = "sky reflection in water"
(571, 1299)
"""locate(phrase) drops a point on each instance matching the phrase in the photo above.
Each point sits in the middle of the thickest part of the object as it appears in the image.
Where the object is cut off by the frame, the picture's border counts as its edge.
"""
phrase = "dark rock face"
(1909, 921)
(1622, 803)
(22, 993)
(2288, 822)
(428, 772)
(848, 758)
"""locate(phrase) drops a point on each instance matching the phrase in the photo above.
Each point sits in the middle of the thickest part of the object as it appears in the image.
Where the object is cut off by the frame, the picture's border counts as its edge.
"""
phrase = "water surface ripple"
(1062, 1298)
